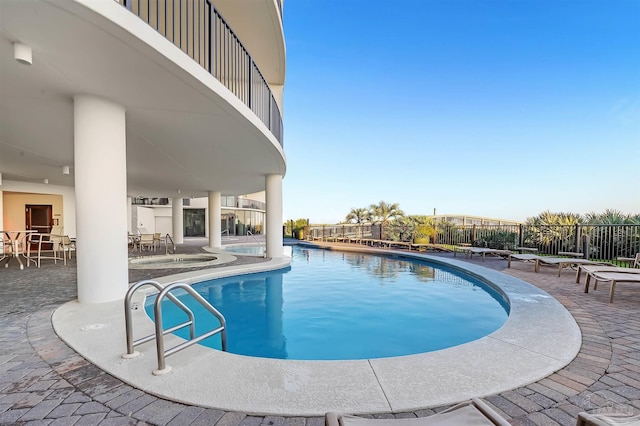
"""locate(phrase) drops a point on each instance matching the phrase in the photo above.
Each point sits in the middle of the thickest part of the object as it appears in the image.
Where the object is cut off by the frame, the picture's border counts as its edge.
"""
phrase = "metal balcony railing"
(200, 31)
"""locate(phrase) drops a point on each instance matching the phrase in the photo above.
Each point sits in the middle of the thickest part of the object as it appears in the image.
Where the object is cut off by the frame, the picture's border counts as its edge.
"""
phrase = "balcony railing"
(200, 31)
(226, 201)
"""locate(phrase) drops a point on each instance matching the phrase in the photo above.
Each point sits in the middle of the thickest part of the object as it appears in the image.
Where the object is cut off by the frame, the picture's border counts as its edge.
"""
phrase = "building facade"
(108, 101)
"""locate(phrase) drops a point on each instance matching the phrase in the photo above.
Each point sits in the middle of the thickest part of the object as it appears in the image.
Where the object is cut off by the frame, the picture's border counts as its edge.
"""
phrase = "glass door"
(194, 222)
(39, 218)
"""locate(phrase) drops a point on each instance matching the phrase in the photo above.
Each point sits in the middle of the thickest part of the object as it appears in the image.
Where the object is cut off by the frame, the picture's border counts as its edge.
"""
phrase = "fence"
(606, 242)
(324, 232)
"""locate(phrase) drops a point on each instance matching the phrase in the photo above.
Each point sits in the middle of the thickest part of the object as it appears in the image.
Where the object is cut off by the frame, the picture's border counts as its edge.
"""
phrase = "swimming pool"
(539, 338)
(333, 305)
(245, 249)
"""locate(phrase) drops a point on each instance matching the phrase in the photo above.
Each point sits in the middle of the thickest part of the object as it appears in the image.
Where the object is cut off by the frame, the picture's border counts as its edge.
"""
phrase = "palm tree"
(357, 216)
(383, 212)
(549, 228)
(608, 217)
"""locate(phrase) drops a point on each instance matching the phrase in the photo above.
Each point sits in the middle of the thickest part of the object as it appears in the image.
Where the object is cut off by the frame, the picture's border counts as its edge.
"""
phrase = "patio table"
(15, 239)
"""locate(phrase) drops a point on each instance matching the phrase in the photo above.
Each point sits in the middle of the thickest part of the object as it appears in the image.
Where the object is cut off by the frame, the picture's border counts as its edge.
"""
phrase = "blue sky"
(493, 108)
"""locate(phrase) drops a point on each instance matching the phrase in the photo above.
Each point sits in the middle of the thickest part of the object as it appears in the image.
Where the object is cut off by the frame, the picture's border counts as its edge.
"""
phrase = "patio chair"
(3, 247)
(471, 413)
(43, 247)
(146, 241)
(610, 419)
(67, 246)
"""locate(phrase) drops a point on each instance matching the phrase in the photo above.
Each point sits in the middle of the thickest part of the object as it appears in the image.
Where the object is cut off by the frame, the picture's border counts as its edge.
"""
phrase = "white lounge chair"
(612, 278)
(565, 262)
(587, 269)
(525, 257)
(484, 251)
(634, 262)
(471, 413)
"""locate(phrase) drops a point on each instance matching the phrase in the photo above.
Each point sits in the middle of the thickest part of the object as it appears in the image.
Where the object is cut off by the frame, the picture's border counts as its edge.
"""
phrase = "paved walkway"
(43, 382)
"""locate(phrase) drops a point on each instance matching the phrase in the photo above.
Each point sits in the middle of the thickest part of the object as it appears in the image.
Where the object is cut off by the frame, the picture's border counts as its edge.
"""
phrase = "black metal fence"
(200, 31)
(605, 242)
(326, 232)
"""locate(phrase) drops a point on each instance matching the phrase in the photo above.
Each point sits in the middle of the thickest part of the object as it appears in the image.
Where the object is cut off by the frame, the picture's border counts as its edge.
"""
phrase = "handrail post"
(159, 330)
(157, 311)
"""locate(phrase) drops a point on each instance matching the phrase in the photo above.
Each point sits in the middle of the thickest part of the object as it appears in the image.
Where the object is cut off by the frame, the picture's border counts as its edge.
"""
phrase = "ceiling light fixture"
(22, 53)
(65, 170)
(45, 180)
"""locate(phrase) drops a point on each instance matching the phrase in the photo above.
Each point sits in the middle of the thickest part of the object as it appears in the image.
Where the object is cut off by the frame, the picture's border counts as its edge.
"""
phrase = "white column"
(100, 170)
(177, 220)
(215, 215)
(273, 194)
(129, 214)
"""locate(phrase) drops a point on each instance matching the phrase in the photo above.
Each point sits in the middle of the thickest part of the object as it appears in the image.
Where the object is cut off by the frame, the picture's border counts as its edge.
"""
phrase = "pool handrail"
(264, 250)
(168, 238)
(157, 309)
(129, 324)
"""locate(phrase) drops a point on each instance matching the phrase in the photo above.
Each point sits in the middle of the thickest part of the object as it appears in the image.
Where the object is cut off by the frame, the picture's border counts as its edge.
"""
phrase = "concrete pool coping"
(173, 261)
(539, 338)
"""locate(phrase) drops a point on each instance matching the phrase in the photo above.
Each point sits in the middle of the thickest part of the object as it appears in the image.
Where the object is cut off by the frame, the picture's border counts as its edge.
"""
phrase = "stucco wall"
(14, 208)
(16, 194)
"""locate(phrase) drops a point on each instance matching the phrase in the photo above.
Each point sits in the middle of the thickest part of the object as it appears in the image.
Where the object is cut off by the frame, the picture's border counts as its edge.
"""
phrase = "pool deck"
(43, 381)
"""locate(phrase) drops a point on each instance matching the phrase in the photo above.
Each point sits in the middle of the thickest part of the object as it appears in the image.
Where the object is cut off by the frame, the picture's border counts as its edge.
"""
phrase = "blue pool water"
(332, 305)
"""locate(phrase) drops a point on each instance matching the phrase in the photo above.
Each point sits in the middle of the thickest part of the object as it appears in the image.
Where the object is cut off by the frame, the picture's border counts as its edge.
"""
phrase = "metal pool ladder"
(168, 238)
(264, 251)
(165, 292)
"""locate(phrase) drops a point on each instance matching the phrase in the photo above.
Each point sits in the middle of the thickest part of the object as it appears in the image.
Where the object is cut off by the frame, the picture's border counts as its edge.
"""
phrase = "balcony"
(200, 31)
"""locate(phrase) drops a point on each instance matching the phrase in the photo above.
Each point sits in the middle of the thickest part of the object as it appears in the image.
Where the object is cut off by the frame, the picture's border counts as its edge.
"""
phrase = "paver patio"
(43, 382)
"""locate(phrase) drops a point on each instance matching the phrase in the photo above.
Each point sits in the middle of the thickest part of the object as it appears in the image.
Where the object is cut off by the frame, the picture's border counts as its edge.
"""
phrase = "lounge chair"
(610, 419)
(484, 251)
(634, 262)
(587, 269)
(525, 257)
(426, 246)
(565, 262)
(473, 412)
(612, 278)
